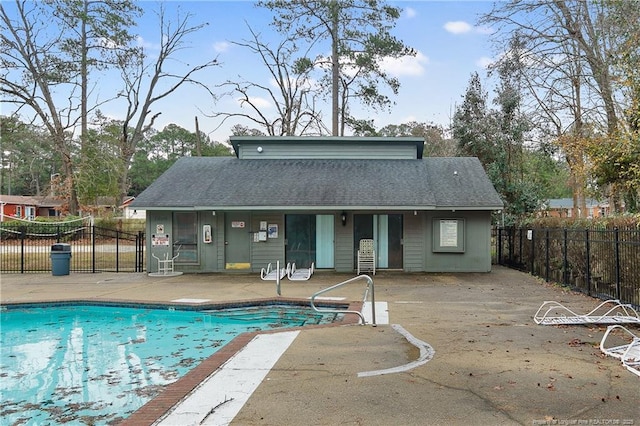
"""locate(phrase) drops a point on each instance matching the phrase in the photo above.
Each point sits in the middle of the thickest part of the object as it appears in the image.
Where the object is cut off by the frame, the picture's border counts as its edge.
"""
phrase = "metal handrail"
(342, 311)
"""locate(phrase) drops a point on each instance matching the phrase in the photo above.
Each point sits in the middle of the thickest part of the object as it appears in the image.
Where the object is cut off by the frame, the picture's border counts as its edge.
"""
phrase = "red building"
(27, 207)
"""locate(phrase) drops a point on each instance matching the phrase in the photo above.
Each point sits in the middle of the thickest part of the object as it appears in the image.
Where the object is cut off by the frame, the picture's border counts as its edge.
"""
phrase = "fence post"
(499, 239)
(565, 260)
(23, 235)
(520, 248)
(140, 252)
(511, 235)
(117, 251)
(588, 260)
(546, 262)
(617, 252)
(533, 250)
(93, 249)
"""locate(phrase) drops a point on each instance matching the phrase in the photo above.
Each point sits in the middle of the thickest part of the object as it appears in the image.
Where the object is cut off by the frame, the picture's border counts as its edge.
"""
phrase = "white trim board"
(219, 398)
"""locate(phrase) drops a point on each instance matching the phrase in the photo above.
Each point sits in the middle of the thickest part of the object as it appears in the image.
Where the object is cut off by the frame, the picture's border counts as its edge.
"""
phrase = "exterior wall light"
(343, 218)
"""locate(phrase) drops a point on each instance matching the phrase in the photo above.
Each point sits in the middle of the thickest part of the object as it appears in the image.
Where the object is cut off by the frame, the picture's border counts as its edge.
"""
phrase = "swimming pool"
(91, 364)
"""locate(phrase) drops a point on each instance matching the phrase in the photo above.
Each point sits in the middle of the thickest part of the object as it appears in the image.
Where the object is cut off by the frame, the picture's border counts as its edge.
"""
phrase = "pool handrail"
(370, 286)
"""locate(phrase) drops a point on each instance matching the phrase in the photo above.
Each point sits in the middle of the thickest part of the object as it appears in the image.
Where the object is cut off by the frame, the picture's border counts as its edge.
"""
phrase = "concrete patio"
(492, 363)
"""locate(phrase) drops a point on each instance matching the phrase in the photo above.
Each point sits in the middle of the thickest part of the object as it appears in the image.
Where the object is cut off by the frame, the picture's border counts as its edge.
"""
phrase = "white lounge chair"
(302, 274)
(608, 312)
(628, 353)
(366, 256)
(270, 274)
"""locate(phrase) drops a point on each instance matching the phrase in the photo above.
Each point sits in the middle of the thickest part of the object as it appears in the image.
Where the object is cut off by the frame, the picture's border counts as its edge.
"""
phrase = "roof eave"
(322, 208)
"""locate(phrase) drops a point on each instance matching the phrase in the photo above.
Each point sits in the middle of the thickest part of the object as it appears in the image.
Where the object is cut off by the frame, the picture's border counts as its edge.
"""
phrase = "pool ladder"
(369, 288)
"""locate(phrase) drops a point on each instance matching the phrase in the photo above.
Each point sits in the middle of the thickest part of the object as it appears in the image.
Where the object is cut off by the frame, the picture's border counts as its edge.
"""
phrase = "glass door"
(309, 240)
(386, 231)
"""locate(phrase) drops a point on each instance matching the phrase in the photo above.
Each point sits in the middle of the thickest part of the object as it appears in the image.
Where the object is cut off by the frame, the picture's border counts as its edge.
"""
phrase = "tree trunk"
(335, 71)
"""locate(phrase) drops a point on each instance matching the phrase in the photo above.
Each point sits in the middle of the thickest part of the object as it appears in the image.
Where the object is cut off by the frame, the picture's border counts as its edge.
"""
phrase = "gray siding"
(272, 250)
(218, 241)
(414, 239)
(209, 253)
(344, 244)
(153, 219)
(477, 255)
(249, 151)
(418, 253)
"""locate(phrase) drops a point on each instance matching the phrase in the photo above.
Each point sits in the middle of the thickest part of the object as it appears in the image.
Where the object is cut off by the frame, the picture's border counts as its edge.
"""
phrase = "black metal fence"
(26, 248)
(600, 263)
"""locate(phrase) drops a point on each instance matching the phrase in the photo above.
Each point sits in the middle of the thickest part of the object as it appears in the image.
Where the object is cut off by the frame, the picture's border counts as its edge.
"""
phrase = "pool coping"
(172, 394)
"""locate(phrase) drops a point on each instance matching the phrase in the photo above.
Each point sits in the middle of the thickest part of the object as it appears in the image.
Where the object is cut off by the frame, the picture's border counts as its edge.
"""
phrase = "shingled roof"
(219, 183)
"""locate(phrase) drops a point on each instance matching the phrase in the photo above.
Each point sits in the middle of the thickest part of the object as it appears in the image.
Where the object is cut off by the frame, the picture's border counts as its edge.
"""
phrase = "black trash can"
(60, 259)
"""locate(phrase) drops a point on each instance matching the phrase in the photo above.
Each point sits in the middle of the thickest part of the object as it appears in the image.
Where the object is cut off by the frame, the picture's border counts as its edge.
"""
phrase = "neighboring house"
(311, 199)
(563, 207)
(131, 213)
(27, 207)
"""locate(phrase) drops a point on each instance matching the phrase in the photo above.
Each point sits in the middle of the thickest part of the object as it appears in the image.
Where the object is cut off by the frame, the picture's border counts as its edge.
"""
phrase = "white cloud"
(146, 44)
(410, 12)
(457, 27)
(221, 46)
(107, 43)
(406, 65)
(259, 103)
(485, 62)
(463, 27)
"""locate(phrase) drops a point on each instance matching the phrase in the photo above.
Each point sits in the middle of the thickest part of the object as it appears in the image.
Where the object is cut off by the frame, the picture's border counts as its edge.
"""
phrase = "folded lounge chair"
(628, 353)
(165, 266)
(270, 274)
(302, 274)
(366, 256)
(608, 312)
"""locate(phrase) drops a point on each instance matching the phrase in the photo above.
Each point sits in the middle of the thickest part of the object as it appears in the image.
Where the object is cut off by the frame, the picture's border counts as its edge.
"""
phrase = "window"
(185, 237)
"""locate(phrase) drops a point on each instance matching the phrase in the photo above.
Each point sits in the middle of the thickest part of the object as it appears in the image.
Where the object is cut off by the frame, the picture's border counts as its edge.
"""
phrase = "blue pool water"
(98, 364)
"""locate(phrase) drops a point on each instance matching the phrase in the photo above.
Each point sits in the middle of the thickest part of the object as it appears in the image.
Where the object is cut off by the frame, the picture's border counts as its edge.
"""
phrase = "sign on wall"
(160, 240)
(448, 235)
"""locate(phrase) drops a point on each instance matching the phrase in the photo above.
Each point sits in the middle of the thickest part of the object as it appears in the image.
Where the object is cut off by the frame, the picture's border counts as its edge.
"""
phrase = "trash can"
(60, 259)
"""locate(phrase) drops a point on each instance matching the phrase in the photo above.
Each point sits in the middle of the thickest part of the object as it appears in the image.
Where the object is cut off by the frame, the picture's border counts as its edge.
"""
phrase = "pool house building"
(310, 200)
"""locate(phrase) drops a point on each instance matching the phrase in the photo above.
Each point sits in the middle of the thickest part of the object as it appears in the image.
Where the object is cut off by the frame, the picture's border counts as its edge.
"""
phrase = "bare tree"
(290, 91)
(146, 82)
(570, 49)
(97, 35)
(48, 49)
(359, 33)
(39, 79)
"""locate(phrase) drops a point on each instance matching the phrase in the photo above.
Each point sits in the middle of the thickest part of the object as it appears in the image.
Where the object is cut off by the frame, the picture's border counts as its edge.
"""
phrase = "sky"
(450, 46)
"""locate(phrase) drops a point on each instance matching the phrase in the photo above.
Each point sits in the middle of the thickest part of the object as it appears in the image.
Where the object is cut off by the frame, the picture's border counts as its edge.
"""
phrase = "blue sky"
(444, 33)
